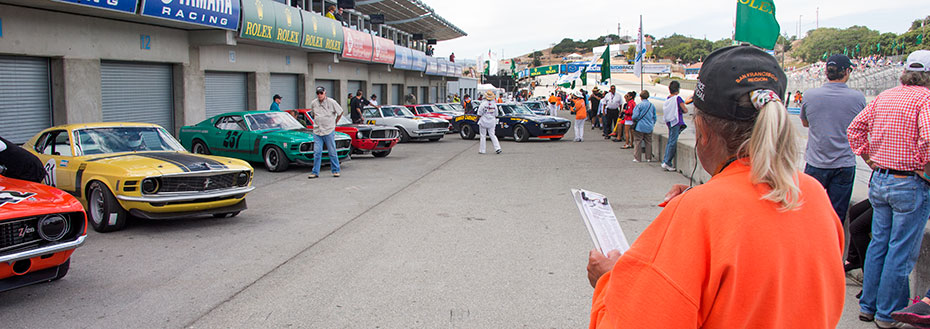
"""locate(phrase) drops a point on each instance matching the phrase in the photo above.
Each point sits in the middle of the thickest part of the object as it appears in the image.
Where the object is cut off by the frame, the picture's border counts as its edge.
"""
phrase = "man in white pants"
(488, 120)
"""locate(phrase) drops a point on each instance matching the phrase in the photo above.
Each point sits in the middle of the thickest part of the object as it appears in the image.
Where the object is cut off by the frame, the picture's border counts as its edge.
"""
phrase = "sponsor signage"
(288, 24)
(441, 66)
(419, 61)
(544, 70)
(223, 14)
(321, 33)
(432, 66)
(383, 50)
(403, 58)
(126, 6)
(258, 21)
(358, 45)
(647, 68)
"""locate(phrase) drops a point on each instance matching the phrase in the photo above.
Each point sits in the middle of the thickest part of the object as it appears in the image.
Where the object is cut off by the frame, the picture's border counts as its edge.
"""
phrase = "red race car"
(430, 111)
(40, 226)
(375, 139)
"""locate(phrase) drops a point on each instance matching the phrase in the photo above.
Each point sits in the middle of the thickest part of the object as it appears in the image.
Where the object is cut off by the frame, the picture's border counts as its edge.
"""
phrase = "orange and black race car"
(40, 226)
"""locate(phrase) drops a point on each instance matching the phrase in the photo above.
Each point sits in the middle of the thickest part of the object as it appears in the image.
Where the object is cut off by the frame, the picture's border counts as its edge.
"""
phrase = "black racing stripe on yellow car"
(187, 162)
(78, 183)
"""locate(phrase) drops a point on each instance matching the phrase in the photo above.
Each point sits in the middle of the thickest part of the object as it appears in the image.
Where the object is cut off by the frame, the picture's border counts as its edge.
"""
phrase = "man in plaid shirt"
(892, 135)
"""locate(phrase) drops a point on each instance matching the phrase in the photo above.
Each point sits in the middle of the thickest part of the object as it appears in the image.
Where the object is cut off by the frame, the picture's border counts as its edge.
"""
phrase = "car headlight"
(243, 178)
(150, 185)
(53, 227)
(359, 135)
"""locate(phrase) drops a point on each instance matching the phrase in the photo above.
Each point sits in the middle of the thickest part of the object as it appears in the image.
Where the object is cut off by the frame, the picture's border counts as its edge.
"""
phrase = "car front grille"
(384, 134)
(306, 147)
(555, 125)
(345, 143)
(197, 183)
(18, 233)
(434, 125)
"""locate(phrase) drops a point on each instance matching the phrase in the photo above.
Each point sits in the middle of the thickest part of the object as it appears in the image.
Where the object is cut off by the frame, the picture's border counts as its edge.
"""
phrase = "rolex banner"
(321, 33)
(756, 23)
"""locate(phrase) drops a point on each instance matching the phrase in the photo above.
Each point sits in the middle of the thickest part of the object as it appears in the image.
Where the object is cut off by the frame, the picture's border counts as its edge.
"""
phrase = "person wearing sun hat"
(581, 113)
(487, 112)
(757, 246)
(892, 135)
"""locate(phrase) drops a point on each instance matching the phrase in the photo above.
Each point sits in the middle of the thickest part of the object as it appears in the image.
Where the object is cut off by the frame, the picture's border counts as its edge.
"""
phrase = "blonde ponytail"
(775, 155)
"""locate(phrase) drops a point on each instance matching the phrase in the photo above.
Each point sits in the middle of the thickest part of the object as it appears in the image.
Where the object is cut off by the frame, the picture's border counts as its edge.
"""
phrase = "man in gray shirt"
(827, 112)
(326, 112)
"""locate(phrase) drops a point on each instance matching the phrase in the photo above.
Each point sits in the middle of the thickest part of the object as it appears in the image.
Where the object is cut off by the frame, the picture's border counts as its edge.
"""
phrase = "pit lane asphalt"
(435, 235)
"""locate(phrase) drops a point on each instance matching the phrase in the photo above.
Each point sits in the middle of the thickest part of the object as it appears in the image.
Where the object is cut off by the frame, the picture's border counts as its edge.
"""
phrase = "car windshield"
(444, 108)
(424, 109)
(520, 109)
(344, 121)
(399, 111)
(272, 120)
(533, 105)
(458, 107)
(124, 139)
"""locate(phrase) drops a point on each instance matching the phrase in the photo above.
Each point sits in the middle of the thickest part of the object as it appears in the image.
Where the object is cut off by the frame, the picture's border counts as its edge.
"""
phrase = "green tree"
(679, 47)
(834, 41)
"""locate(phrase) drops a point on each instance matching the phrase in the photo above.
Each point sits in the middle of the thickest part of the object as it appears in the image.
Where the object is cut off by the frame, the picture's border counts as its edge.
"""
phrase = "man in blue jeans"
(673, 113)
(827, 112)
(892, 135)
(326, 112)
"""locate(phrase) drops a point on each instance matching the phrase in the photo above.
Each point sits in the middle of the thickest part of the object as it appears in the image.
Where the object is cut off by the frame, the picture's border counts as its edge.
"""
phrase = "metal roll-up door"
(397, 92)
(226, 92)
(286, 86)
(354, 86)
(378, 90)
(329, 85)
(25, 108)
(424, 95)
(137, 92)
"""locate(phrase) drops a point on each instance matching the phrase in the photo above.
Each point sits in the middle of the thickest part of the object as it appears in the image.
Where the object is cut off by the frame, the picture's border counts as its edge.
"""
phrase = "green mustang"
(272, 137)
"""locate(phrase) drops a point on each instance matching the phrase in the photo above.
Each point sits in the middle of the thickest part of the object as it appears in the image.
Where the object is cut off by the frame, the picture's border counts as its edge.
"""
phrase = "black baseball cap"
(276, 96)
(733, 72)
(840, 61)
(320, 90)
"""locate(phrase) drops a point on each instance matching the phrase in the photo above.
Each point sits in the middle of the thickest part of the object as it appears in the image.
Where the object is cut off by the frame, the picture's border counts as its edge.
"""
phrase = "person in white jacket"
(488, 120)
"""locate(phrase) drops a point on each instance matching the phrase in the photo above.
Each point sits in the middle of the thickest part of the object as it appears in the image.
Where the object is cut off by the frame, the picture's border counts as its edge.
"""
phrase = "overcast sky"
(516, 27)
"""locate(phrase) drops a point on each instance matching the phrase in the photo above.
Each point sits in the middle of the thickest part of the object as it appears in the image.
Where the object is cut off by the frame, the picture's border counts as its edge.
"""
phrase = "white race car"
(411, 127)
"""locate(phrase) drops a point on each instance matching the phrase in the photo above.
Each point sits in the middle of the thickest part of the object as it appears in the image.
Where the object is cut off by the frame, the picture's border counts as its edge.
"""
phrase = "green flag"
(756, 23)
(857, 50)
(879, 47)
(825, 55)
(920, 39)
(487, 67)
(513, 67)
(584, 76)
(605, 66)
(845, 51)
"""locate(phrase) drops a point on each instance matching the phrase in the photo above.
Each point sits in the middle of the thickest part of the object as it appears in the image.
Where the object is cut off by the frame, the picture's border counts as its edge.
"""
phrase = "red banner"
(357, 45)
(383, 50)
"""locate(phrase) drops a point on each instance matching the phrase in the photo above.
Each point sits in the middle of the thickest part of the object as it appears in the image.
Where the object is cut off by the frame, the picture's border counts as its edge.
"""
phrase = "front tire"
(404, 136)
(199, 147)
(104, 212)
(275, 160)
(467, 132)
(381, 154)
(520, 134)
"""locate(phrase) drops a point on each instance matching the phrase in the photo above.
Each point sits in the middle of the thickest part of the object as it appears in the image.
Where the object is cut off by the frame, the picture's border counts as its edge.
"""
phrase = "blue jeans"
(839, 185)
(330, 141)
(900, 210)
(672, 146)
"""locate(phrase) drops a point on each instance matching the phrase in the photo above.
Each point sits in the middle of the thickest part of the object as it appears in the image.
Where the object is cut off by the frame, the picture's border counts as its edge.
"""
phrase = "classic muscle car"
(40, 226)
(517, 121)
(121, 169)
(379, 140)
(411, 127)
(272, 137)
(538, 108)
(450, 109)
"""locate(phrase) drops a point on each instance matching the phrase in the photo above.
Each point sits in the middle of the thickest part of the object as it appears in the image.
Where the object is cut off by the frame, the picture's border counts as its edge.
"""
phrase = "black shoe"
(866, 317)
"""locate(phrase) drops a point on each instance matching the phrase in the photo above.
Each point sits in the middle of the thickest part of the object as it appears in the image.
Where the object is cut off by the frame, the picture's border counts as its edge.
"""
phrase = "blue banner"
(126, 6)
(222, 14)
(403, 58)
(418, 61)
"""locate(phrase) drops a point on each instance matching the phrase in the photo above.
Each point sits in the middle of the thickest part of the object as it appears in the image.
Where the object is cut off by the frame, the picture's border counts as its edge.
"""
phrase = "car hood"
(160, 163)
(19, 198)
(542, 118)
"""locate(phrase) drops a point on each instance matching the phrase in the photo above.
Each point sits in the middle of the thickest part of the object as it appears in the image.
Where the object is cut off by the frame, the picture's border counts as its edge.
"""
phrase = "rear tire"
(200, 148)
(275, 160)
(381, 154)
(404, 136)
(467, 132)
(520, 134)
(103, 211)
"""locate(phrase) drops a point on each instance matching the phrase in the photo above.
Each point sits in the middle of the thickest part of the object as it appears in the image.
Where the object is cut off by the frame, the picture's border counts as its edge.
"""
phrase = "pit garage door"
(330, 86)
(25, 108)
(379, 90)
(137, 92)
(286, 86)
(397, 94)
(226, 92)
(354, 86)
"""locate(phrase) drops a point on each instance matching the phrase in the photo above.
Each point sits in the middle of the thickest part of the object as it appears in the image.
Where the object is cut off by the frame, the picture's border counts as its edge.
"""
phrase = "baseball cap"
(918, 61)
(732, 72)
(840, 61)
(276, 96)
(320, 90)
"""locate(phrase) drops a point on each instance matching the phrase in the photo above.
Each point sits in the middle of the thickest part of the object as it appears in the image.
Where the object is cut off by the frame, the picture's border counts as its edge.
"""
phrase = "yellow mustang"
(138, 169)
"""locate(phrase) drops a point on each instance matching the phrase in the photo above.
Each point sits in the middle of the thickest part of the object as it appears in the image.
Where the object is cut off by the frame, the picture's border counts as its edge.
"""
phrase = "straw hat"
(489, 95)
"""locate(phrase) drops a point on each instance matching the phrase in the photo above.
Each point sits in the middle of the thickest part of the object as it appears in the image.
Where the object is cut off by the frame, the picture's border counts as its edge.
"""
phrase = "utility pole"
(799, 26)
(818, 18)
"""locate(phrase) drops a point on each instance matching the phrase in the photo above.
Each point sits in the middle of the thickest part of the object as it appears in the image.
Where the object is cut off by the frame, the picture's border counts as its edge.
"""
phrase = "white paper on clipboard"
(601, 221)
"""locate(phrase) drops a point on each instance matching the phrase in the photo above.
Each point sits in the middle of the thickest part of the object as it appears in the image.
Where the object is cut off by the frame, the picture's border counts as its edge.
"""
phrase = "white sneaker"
(634, 160)
(664, 167)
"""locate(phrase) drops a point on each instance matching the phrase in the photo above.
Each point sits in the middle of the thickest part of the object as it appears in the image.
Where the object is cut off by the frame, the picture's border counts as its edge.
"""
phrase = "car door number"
(232, 139)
